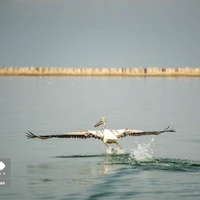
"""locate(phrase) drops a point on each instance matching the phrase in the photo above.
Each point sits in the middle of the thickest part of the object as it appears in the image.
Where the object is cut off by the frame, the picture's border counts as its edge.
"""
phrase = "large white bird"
(107, 136)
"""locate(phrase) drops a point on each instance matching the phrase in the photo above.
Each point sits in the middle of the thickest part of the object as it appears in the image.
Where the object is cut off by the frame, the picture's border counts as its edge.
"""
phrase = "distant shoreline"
(123, 72)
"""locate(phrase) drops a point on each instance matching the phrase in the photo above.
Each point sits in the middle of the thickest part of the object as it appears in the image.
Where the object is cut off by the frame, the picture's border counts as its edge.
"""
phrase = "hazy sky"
(100, 33)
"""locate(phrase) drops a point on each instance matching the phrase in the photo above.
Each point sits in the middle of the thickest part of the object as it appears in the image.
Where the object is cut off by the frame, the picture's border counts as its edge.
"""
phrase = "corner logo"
(2, 165)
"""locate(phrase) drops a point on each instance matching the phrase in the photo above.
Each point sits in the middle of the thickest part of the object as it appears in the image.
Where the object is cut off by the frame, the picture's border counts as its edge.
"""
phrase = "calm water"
(165, 166)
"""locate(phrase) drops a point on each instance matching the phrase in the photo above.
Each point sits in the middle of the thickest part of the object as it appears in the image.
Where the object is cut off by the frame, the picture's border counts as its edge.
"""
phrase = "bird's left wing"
(78, 134)
(131, 132)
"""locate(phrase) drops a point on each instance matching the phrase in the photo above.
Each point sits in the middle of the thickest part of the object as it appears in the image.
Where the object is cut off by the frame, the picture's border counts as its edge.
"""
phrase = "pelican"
(107, 136)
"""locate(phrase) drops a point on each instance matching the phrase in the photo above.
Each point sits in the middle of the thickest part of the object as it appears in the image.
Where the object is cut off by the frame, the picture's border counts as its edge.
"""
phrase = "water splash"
(115, 151)
(143, 152)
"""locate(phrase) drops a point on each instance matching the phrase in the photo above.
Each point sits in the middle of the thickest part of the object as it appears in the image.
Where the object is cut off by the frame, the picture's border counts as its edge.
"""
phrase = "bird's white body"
(107, 134)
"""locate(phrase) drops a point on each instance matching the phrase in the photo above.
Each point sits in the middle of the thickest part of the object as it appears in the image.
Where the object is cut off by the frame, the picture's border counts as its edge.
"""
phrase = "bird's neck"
(104, 126)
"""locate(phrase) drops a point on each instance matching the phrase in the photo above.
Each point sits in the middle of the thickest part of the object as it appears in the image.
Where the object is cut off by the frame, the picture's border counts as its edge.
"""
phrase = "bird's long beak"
(98, 123)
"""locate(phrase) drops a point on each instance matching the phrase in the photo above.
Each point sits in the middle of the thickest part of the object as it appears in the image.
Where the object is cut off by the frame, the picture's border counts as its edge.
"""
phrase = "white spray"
(142, 152)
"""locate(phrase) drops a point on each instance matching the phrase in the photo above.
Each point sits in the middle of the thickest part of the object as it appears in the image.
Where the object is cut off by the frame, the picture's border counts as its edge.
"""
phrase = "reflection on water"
(77, 174)
(81, 173)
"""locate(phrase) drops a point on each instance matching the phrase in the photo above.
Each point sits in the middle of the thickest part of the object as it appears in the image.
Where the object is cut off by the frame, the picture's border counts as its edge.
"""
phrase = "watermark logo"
(5, 170)
(2, 165)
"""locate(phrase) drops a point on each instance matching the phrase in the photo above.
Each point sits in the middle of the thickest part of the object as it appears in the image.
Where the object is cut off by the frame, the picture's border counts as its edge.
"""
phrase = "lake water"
(166, 166)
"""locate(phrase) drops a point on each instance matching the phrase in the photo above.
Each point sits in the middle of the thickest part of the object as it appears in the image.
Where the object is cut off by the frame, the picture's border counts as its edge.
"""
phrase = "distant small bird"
(107, 136)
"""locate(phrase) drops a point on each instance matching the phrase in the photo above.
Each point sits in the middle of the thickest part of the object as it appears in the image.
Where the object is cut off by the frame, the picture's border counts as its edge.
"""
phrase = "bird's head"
(102, 121)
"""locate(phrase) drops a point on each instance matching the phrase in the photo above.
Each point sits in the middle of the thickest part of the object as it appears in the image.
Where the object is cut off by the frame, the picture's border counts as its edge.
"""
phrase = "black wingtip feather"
(168, 129)
(30, 135)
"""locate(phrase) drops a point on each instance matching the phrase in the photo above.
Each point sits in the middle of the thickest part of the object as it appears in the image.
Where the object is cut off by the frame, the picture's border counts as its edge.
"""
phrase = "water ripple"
(170, 164)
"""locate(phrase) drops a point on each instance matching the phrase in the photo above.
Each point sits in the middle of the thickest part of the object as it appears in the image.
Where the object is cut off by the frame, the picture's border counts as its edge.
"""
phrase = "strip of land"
(44, 71)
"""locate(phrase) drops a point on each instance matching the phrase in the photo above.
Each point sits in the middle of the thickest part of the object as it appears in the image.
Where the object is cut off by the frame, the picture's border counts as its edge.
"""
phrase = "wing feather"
(78, 134)
(131, 132)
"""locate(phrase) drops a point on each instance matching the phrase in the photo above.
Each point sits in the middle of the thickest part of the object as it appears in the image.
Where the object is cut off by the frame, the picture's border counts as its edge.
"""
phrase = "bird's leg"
(119, 146)
(107, 146)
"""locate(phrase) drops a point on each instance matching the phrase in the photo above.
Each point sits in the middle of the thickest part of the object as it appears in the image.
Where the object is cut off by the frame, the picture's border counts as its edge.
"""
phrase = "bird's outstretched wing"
(78, 134)
(131, 132)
